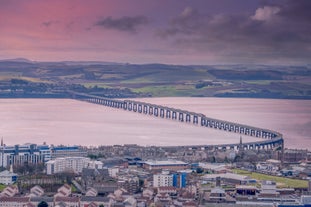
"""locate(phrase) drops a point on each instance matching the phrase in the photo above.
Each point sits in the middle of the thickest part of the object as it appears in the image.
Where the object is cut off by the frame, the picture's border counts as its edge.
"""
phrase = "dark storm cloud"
(272, 31)
(297, 10)
(126, 23)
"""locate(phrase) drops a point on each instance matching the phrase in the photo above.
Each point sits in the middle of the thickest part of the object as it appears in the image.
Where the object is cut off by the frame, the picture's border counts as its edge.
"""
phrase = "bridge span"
(271, 139)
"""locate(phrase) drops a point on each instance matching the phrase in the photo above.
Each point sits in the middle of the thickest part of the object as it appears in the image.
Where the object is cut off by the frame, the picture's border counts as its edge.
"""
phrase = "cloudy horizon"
(171, 32)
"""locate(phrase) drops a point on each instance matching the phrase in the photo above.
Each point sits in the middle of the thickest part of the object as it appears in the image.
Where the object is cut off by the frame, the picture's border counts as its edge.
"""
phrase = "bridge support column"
(188, 118)
(181, 117)
(168, 114)
(155, 113)
(203, 121)
(195, 119)
(150, 110)
(162, 113)
(174, 115)
(145, 109)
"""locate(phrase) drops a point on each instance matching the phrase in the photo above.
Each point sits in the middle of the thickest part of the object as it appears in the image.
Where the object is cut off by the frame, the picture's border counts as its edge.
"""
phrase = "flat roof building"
(165, 164)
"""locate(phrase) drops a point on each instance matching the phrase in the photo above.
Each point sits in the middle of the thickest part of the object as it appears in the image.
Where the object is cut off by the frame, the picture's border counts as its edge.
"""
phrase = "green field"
(282, 182)
(160, 80)
(2, 187)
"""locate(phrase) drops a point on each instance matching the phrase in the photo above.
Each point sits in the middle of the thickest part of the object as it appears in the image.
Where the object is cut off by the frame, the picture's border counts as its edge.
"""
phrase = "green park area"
(282, 182)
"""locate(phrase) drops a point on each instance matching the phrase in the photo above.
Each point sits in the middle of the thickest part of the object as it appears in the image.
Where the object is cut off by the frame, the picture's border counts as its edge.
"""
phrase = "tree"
(43, 204)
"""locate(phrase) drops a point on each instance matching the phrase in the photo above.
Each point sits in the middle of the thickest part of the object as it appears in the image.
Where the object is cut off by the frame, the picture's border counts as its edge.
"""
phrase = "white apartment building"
(71, 164)
(163, 179)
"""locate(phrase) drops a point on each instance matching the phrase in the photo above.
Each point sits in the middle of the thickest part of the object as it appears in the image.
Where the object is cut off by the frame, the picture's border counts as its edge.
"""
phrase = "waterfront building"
(20, 154)
(33, 153)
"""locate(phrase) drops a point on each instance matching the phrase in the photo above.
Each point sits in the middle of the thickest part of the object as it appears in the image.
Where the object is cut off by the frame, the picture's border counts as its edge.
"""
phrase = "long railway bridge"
(270, 139)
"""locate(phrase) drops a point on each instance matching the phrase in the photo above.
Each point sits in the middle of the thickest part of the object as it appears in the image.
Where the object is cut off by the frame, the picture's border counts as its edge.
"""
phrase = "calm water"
(59, 121)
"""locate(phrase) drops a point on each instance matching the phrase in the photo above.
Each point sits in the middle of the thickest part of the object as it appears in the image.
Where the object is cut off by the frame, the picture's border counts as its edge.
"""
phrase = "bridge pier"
(134, 107)
(181, 117)
(174, 115)
(195, 119)
(145, 109)
(168, 114)
(203, 121)
(155, 111)
(150, 110)
(188, 118)
(162, 113)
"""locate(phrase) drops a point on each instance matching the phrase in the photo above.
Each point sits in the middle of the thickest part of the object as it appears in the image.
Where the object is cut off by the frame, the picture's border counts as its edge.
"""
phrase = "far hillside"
(23, 78)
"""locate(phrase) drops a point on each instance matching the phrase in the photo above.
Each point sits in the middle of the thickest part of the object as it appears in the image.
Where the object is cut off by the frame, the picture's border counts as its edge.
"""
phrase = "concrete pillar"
(150, 110)
(162, 113)
(155, 113)
(188, 118)
(181, 117)
(140, 108)
(130, 106)
(168, 114)
(203, 121)
(195, 119)
(145, 109)
(174, 115)
(134, 107)
(236, 128)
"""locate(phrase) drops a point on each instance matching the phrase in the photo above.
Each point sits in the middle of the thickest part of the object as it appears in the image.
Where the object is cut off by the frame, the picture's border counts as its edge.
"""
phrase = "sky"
(157, 31)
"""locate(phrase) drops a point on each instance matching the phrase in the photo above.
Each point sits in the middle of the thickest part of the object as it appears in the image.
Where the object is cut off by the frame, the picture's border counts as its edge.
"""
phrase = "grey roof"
(43, 198)
(92, 198)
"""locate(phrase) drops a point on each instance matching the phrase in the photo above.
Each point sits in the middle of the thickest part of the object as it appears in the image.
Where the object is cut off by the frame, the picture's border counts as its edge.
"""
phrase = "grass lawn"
(282, 182)
(2, 187)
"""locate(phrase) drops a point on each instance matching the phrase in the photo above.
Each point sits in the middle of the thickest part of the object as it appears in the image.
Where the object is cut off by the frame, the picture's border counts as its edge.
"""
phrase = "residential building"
(14, 201)
(180, 180)
(36, 191)
(9, 191)
(36, 200)
(63, 191)
(72, 164)
(7, 177)
(67, 151)
(130, 184)
(163, 179)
